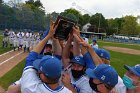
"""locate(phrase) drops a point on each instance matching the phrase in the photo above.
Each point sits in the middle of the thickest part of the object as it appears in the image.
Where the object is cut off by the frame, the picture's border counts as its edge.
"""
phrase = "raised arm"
(57, 49)
(76, 46)
(41, 44)
(87, 48)
(66, 52)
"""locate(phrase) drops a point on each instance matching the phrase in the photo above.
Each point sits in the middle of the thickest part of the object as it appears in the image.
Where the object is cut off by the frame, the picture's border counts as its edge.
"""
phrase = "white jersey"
(95, 46)
(11, 34)
(86, 40)
(120, 87)
(15, 37)
(27, 34)
(11, 37)
(20, 38)
(32, 37)
(30, 83)
(82, 84)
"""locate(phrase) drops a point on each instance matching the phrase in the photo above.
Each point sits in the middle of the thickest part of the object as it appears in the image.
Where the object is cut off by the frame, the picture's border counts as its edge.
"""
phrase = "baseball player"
(25, 42)
(94, 44)
(76, 78)
(85, 39)
(32, 38)
(131, 79)
(49, 68)
(16, 42)
(102, 58)
(103, 78)
(11, 38)
(37, 38)
(5, 38)
(20, 39)
(28, 41)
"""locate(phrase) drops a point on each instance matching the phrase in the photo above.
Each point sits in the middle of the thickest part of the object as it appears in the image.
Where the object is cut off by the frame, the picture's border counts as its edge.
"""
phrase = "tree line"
(31, 15)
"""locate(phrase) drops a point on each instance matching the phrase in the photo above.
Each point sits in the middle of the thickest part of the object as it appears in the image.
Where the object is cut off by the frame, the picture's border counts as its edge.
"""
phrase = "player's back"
(31, 83)
(43, 88)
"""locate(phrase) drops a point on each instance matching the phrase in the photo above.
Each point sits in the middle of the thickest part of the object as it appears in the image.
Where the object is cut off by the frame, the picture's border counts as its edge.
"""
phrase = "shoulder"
(83, 79)
(120, 87)
(83, 85)
(66, 90)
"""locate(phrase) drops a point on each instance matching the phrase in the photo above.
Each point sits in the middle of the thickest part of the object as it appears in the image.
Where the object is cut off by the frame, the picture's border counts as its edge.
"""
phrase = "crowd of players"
(19, 40)
(73, 66)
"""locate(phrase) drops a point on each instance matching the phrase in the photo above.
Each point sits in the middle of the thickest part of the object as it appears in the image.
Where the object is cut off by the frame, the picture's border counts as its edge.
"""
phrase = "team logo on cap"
(103, 77)
(41, 68)
(77, 58)
(137, 66)
(101, 54)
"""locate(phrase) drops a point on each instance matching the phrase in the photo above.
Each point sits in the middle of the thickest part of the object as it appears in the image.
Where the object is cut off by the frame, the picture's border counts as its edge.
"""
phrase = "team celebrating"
(68, 66)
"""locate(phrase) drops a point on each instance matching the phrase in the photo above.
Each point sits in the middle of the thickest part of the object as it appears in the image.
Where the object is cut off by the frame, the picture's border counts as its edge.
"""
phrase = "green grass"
(104, 43)
(12, 75)
(3, 50)
(118, 60)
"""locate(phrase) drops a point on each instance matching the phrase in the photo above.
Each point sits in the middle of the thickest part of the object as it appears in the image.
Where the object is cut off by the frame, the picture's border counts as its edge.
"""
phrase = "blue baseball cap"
(135, 69)
(94, 40)
(105, 73)
(78, 60)
(103, 53)
(49, 65)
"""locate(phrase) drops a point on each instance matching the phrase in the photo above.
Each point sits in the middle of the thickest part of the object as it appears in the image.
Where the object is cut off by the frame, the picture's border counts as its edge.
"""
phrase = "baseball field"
(120, 54)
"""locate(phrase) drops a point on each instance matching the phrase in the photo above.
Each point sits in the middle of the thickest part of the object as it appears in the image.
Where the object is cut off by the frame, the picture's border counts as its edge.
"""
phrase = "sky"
(109, 8)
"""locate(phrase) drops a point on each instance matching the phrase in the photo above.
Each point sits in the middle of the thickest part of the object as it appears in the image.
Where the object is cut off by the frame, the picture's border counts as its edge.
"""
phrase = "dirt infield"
(123, 50)
(8, 61)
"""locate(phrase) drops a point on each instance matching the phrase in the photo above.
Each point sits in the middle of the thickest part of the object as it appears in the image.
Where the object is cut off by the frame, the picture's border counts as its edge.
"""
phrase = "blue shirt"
(89, 62)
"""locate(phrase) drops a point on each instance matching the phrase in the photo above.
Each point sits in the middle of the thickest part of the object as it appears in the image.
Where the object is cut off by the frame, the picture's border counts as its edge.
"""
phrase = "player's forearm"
(66, 50)
(65, 54)
(76, 48)
(57, 49)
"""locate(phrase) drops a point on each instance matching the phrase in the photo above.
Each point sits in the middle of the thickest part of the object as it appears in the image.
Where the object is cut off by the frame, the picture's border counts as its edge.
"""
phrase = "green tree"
(38, 4)
(138, 29)
(129, 26)
(29, 2)
(75, 13)
(86, 19)
(38, 18)
(99, 21)
(35, 4)
(6, 16)
(114, 25)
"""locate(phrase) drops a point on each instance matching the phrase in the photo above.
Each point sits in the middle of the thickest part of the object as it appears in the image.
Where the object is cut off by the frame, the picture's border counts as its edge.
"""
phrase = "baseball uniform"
(31, 83)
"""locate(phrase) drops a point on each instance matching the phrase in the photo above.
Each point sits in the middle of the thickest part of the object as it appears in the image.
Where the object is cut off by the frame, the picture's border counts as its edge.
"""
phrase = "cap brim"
(75, 62)
(131, 69)
(90, 73)
(36, 63)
